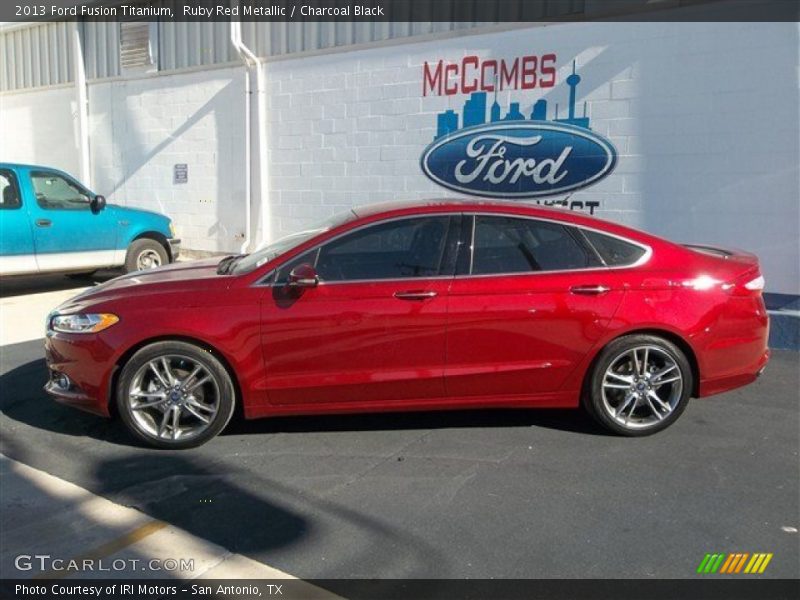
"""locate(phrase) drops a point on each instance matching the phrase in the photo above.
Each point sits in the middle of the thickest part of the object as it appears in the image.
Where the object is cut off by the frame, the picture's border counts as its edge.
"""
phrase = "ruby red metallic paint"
(480, 341)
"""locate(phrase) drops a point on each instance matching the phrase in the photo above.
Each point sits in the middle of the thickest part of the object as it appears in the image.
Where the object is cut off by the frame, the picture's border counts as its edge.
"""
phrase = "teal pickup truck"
(50, 223)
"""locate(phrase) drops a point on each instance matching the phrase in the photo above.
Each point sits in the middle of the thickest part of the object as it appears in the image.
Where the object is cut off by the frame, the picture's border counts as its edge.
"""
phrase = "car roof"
(370, 212)
(11, 165)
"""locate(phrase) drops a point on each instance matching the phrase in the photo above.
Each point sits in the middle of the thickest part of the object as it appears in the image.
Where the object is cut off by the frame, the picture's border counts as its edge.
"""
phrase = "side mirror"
(97, 204)
(303, 276)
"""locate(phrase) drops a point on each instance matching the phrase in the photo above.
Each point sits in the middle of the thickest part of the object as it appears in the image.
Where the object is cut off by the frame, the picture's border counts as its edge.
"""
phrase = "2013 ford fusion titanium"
(432, 305)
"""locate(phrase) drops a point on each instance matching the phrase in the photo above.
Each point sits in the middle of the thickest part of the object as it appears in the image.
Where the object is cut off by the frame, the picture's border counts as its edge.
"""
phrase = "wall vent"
(135, 47)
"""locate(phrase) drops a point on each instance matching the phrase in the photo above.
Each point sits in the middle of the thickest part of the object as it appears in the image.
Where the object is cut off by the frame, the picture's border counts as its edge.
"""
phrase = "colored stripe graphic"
(734, 563)
(711, 563)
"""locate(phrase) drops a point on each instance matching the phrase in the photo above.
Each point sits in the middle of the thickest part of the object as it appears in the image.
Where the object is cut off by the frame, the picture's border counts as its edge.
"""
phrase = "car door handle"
(415, 295)
(43, 222)
(590, 290)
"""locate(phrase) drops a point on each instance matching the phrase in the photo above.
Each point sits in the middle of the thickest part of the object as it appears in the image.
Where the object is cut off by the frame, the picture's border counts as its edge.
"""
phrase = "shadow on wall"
(145, 145)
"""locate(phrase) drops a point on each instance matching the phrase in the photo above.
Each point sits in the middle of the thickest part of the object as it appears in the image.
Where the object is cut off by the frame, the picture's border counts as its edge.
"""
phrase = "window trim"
(39, 172)
(14, 182)
(264, 281)
(648, 251)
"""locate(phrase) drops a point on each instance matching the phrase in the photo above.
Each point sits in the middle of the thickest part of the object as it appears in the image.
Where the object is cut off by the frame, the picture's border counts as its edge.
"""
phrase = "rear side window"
(9, 190)
(614, 251)
(513, 245)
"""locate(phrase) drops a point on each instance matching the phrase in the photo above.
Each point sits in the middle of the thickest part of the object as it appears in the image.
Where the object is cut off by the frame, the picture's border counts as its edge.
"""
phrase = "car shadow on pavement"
(23, 400)
(575, 421)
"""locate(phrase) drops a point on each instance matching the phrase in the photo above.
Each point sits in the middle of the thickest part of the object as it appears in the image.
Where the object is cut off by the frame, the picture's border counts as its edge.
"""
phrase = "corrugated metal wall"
(41, 55)
(101, 49)
(36, 56)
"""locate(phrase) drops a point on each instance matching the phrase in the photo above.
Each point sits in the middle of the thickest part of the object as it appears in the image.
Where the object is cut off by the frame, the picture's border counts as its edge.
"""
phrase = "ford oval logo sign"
(513, 155)
(519, 160)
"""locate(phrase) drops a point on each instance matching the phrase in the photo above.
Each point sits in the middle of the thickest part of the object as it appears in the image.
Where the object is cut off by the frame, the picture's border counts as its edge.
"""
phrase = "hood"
(199, 274)
(123, 211)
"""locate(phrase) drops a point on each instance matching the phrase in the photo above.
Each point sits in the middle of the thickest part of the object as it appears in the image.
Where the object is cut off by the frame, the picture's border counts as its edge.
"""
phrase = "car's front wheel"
(175, 395)
(640, 385)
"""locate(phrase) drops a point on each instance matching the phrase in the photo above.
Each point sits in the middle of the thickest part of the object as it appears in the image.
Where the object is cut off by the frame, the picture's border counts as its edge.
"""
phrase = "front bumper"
(87, 364)
(174, 248)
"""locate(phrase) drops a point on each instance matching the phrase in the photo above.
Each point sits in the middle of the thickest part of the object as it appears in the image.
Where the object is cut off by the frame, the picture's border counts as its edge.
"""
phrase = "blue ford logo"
(519, 160)
(516, 155)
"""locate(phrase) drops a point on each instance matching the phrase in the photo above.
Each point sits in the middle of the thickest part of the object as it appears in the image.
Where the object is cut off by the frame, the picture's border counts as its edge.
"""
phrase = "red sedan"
(432, 305)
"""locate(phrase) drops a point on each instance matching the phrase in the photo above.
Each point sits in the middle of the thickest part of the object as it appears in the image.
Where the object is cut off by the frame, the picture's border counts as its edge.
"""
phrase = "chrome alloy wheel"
(148, 259)
(173, 397)
(641, 387)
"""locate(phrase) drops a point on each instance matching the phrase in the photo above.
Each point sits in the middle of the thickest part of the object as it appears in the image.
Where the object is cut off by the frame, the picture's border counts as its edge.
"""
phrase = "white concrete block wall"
(39, 127)
(704, 117)
(141, 128)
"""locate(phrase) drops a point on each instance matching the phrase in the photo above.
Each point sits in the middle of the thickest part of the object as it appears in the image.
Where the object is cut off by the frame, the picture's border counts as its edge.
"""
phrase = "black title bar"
(488, 11)
(701, 588)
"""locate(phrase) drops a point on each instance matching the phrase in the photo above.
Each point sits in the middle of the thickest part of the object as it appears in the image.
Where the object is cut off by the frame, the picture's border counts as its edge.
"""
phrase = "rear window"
(9, 191)
(614, 251)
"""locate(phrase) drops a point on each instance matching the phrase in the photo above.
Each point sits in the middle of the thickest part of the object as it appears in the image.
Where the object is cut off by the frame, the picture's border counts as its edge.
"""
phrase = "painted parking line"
(70, 516)
(107, 549)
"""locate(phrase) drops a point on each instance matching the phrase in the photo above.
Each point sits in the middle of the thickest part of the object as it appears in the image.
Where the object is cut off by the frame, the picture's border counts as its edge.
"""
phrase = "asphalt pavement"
(472, 494)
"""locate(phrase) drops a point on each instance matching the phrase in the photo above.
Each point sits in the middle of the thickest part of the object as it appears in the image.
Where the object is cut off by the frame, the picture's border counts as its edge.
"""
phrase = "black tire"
(144, 247)
(646, 414)
(143, 426)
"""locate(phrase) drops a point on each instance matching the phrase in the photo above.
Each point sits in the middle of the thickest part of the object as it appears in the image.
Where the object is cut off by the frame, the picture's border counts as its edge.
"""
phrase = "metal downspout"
(236, 41)
(82, 102)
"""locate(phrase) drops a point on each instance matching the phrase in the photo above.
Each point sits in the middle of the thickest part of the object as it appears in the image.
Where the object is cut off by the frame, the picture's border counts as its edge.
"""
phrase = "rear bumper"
(749, 374)
(735, 351)
(174, 248)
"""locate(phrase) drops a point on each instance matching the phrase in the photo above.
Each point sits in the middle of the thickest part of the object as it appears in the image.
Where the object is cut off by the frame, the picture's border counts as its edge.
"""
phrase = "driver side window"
(401, 249)
(56, 192)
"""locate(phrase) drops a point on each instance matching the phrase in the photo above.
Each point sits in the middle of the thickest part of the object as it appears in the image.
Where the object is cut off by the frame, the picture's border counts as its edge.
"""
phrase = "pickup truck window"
(56, 192)
(9, 190)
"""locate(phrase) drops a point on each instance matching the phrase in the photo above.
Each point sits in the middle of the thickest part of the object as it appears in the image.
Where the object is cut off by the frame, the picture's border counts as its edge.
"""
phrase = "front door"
(531, 303)
(17, 255)
(67, 233)
(374, 328)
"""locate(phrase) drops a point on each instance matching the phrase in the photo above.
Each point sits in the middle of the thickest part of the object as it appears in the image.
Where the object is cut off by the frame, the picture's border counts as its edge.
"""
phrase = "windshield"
(250, 262)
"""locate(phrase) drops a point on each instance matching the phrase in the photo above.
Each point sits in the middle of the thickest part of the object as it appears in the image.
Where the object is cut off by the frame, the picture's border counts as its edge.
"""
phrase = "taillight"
(749, 284)
(756, 285)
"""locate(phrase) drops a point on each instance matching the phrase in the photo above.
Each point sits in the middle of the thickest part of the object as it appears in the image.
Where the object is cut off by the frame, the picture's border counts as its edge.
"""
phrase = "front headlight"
(90, 323)
(171, 229)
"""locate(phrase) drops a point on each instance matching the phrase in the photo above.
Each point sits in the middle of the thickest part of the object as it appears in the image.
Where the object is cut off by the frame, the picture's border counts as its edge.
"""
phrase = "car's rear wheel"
(640, 385)
(145, 254)
(175, 395)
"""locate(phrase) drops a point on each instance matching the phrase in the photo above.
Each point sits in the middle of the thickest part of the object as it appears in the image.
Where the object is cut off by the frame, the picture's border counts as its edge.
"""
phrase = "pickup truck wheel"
(145, 254)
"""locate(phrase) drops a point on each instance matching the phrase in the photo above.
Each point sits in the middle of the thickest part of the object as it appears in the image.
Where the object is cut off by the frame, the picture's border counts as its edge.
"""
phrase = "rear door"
(67, 233)
(527, 306)
(17, 254)
(373, 330)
